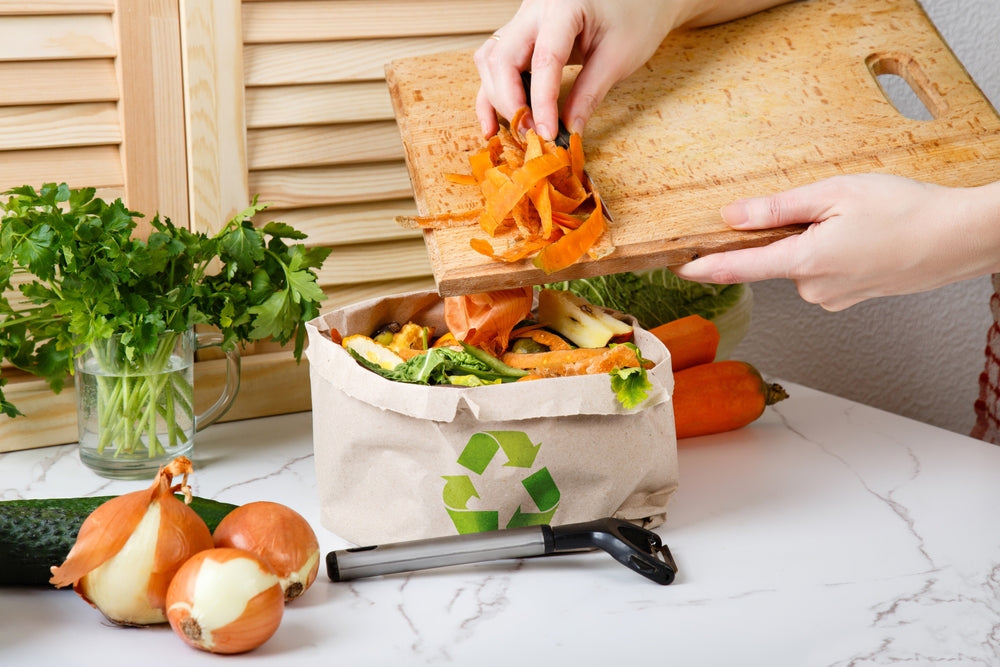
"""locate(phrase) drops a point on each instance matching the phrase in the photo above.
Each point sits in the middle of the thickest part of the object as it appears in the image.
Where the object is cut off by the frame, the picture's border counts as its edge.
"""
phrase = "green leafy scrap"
(654, 297)
(631, 385)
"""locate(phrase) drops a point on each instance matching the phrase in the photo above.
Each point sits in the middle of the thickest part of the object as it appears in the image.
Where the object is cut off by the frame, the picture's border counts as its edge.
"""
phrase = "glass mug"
(134, 415)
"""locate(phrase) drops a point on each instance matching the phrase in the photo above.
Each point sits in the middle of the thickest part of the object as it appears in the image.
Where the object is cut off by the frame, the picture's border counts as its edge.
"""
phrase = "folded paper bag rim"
(550, 397)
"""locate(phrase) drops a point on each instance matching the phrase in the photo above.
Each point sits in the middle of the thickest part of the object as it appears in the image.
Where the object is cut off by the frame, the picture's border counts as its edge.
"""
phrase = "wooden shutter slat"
(363, 263)
(323, 145)
(52, 126)
(294, 188)
(316, 104)
(56, 37)
(35, 7)
(348, 223)
(94, 166)
(325, 62)
(58, 81)
(308, 21)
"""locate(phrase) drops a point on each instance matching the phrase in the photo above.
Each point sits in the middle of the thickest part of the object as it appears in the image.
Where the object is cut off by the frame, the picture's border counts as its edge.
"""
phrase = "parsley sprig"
(73, 276)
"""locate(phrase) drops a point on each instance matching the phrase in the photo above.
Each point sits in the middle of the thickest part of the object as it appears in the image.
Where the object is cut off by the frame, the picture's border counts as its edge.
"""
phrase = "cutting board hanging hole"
(905, 86)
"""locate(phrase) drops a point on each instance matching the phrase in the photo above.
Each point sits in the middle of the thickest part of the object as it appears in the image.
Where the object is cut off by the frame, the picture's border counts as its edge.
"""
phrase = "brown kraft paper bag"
(398, 461)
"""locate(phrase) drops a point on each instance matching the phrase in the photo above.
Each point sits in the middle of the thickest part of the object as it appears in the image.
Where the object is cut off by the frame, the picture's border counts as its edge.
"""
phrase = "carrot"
(720, 396)
(692, 340)
(576, 361)
(548, 339)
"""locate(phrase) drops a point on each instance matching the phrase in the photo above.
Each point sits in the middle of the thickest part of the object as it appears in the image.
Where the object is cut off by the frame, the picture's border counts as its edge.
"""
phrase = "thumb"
(805, 204)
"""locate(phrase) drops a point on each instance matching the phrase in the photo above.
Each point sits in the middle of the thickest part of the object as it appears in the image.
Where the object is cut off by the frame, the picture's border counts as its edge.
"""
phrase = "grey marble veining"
(827, 533)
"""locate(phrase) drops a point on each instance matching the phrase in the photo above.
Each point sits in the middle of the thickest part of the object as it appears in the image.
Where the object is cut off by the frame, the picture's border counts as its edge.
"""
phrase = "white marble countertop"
(827, 533)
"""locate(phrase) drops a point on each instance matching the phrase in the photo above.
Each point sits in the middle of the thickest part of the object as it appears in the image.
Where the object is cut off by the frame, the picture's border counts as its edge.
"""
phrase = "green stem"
(136, 402)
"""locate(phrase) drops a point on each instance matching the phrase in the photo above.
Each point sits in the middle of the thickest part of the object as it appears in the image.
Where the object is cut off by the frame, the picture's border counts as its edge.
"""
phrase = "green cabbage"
(656, 296)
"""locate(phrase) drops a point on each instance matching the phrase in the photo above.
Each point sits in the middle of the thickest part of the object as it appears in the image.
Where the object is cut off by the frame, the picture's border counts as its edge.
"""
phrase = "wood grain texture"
(92, 166)
(347, 223)
(388, 260)
(152, 109)
(325, 20)
(307, 146)
(318, 104)
(351, 60)
(214, 117)
(317, 186)
(58, 37)
(58, 125)
(58, 81)
(751, 107)
(13, 7)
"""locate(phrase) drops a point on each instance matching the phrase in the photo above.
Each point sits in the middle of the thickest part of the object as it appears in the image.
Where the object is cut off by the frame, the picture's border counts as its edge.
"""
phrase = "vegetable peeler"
(636, 548)
(562, 139)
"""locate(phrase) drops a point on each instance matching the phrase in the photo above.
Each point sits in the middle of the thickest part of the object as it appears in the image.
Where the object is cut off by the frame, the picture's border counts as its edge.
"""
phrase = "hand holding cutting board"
(769, 103)
(868, 235)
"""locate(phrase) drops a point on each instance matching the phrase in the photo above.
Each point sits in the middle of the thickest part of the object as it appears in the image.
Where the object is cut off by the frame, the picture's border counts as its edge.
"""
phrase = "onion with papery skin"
(225, 600)
(279, 535)
(129, 548)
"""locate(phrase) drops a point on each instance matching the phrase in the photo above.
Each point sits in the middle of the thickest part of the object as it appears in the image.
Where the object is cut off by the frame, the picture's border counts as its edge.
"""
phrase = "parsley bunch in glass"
(73, 277)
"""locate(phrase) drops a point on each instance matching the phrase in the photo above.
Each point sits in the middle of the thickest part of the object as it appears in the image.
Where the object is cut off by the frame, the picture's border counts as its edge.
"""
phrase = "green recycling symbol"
(476, 457)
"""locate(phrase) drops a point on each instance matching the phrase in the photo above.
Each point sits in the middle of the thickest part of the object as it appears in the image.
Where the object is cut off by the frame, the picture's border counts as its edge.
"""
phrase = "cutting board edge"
(635, 257)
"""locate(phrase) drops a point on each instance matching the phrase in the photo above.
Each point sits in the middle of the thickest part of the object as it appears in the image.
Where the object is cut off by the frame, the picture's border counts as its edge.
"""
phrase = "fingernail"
(484, 129)
(735, 214)
(576, 126)
(543, 132)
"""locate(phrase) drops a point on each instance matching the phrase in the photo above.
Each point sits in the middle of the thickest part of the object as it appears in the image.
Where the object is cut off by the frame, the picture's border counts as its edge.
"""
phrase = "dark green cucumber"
(37, 534)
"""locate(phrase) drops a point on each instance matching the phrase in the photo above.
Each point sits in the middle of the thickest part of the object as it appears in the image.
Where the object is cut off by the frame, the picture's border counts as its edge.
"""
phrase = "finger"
(599, 73)
(546, 80)
(484, 105)
(486, 114)
(805, 204)
(551, 54)
(500, 61)
(743, 266)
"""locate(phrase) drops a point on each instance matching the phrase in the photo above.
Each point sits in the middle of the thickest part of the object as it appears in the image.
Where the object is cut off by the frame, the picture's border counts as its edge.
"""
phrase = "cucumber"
(37, 534)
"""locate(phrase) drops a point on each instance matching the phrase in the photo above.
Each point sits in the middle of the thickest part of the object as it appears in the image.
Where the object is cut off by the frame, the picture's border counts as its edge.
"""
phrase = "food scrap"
(495, 337)
(537, 202)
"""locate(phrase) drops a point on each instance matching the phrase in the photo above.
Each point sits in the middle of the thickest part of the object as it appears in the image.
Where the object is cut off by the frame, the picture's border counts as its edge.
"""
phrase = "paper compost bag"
(397, 461)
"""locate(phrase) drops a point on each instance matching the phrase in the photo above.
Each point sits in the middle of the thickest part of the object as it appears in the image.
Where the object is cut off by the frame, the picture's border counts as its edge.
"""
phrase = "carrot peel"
(536, 194)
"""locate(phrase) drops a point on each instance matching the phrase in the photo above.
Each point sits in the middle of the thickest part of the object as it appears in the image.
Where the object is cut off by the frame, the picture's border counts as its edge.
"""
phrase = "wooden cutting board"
(755, 106)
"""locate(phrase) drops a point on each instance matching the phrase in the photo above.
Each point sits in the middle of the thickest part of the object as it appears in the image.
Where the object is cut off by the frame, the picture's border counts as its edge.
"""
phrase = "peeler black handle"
(562, 137)
(636, 548)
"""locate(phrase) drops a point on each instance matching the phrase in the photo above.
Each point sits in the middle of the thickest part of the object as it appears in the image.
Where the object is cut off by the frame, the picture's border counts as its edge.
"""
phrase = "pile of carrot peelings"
(537, 202)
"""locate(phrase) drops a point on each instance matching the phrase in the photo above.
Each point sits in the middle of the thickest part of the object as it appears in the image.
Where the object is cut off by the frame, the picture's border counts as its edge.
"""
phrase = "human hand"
(871, 235)
(609, 39)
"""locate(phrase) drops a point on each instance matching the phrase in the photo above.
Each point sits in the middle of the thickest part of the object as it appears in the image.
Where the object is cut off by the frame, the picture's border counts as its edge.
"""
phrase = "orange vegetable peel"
(537, 202)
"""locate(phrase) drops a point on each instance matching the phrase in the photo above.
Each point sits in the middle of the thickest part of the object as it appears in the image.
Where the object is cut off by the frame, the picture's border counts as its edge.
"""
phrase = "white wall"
(918, 355)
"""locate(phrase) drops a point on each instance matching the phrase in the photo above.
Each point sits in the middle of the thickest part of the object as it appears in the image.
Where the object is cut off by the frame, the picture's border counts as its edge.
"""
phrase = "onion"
(225, 601)
(279, 535)
(129, 548)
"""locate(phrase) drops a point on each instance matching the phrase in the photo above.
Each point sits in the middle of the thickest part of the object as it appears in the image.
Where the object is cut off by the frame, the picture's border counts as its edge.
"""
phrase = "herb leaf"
(80, 278)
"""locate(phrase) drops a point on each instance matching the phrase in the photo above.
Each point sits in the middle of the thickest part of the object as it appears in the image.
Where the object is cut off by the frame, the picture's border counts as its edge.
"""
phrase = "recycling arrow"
(458, 490)
(476, 457)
